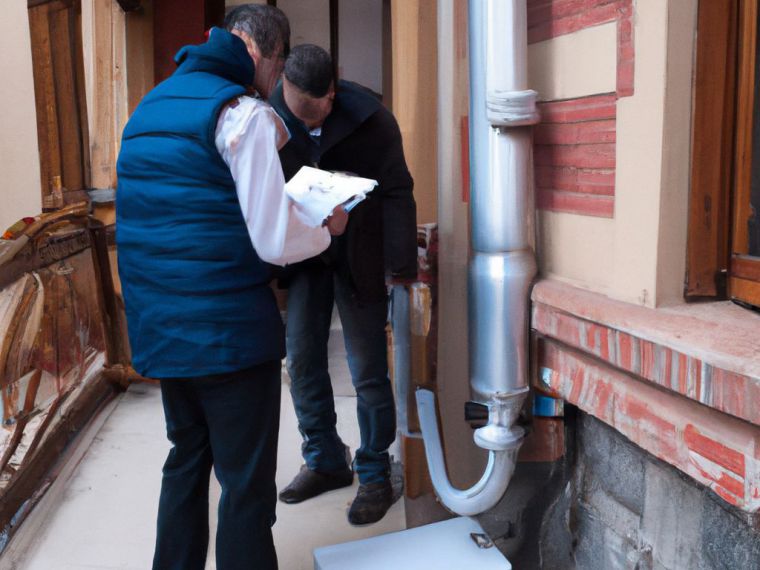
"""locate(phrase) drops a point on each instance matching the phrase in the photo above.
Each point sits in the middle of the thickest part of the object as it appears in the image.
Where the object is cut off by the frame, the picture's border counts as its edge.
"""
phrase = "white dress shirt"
(247, 138)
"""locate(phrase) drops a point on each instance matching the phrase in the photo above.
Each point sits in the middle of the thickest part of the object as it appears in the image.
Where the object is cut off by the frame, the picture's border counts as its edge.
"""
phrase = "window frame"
(744, 270)
(718, 266)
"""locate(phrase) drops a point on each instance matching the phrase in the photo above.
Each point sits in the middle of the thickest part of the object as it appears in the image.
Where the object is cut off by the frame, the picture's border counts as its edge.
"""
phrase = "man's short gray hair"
(267, 25)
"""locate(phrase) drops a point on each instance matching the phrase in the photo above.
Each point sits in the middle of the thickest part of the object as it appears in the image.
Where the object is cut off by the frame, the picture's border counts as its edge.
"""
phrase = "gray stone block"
(672, 521)
(727, 541)
(613, 462)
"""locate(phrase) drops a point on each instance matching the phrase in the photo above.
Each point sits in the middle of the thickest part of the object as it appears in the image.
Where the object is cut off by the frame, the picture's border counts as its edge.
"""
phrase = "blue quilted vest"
(196, 293)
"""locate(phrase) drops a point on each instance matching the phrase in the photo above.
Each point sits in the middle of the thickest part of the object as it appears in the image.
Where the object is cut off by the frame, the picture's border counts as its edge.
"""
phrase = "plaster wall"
(20, 193)
(309, 21)
(574, 65)
(360, 42)
(637, 256)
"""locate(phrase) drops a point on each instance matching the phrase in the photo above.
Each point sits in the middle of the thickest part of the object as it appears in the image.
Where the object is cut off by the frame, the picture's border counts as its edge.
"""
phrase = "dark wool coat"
(362, 137)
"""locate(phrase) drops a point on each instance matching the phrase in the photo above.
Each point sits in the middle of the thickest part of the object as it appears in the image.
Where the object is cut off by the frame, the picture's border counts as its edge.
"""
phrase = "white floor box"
(441, 546)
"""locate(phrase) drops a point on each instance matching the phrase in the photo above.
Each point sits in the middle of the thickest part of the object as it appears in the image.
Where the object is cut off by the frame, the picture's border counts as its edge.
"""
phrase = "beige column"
(414, 46)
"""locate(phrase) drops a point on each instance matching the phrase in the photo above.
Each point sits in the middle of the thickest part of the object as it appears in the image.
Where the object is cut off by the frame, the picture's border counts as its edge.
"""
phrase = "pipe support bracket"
(512, 108)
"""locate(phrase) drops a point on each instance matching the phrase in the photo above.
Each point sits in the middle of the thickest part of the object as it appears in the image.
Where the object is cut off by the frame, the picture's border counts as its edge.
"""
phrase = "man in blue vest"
(344, 126)
(201, 209)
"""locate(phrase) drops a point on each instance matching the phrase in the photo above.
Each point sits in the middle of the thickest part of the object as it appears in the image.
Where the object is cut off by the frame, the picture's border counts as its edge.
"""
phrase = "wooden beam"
(65, 67)
(103, 47)
(44, 95)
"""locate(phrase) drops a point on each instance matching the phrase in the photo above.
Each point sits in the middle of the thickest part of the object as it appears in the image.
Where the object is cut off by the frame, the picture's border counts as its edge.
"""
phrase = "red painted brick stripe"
(570, 179)
(572, 23)
(664, 424)
(594, 108)
(551, 18)
(574, 156)
(544, 10)
(575, 203)
(578, 156)
(626, 52)
(714, 451)
(589, 132)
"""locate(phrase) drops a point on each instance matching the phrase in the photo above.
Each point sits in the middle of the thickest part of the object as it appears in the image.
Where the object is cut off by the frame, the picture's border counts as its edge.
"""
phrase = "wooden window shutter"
(59, 86)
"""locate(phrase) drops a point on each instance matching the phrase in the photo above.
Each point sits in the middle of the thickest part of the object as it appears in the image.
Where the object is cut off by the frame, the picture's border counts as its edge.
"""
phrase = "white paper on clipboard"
(318, 192)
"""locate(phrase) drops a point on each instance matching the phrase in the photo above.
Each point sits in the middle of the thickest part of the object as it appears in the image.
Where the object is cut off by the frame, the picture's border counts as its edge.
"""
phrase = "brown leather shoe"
(308, 484)
(371, 503)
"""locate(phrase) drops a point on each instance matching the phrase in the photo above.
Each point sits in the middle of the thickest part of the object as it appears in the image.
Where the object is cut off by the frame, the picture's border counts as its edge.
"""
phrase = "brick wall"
(575, 142)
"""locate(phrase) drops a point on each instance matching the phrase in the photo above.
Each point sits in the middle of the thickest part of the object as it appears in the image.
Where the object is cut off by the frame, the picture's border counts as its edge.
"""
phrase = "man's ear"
(253, 49)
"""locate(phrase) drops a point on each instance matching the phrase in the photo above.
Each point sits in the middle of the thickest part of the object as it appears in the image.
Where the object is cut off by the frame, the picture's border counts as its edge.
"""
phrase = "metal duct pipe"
(502, 264)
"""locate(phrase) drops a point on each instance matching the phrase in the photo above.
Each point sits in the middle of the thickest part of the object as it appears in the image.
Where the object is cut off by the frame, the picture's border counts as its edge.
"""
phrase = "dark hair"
(310, 68)
(267, 25)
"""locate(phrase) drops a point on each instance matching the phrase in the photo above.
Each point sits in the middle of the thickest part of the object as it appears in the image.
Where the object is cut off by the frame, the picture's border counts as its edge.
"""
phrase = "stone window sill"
(708, 352)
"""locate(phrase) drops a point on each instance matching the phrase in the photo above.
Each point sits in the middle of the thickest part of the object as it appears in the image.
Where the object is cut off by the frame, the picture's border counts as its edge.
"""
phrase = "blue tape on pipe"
(547, 407)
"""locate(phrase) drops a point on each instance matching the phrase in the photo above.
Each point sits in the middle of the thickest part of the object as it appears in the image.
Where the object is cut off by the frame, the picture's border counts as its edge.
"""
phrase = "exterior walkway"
(101, 512)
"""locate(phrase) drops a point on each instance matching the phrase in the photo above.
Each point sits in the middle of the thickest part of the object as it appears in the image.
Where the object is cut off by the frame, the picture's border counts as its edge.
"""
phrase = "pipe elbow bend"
(488, 491)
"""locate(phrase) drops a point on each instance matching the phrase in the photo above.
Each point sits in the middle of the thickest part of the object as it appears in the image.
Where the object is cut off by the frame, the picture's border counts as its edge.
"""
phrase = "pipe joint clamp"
(512, 108)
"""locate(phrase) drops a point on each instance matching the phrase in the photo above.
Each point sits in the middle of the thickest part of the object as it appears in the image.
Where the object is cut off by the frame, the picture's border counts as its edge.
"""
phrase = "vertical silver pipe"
(502, 264)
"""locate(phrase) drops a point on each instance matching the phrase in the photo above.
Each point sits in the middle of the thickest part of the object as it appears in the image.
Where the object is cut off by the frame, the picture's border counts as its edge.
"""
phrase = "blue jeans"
(310, 302)
(231, 422)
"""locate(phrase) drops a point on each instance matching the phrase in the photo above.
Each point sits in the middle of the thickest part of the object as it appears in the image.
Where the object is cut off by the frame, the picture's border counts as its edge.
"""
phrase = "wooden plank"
(120, 105)
(712, 149)
(745, 290)
(139, 38)
(745, 267)
(62, 34)
(416, 475)
(35, 3)
(104, 47)
(81, 87)
(44, 94)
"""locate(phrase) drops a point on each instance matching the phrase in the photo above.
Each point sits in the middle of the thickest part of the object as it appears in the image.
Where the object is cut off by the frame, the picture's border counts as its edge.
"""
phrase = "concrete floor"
(102, 512)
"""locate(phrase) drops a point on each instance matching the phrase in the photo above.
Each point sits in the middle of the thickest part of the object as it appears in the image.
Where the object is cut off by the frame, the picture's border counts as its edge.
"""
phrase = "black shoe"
(371, 503)
(308, 484)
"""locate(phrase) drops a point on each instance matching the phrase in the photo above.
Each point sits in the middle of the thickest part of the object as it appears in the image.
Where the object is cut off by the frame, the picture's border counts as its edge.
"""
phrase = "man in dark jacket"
(345, 127)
